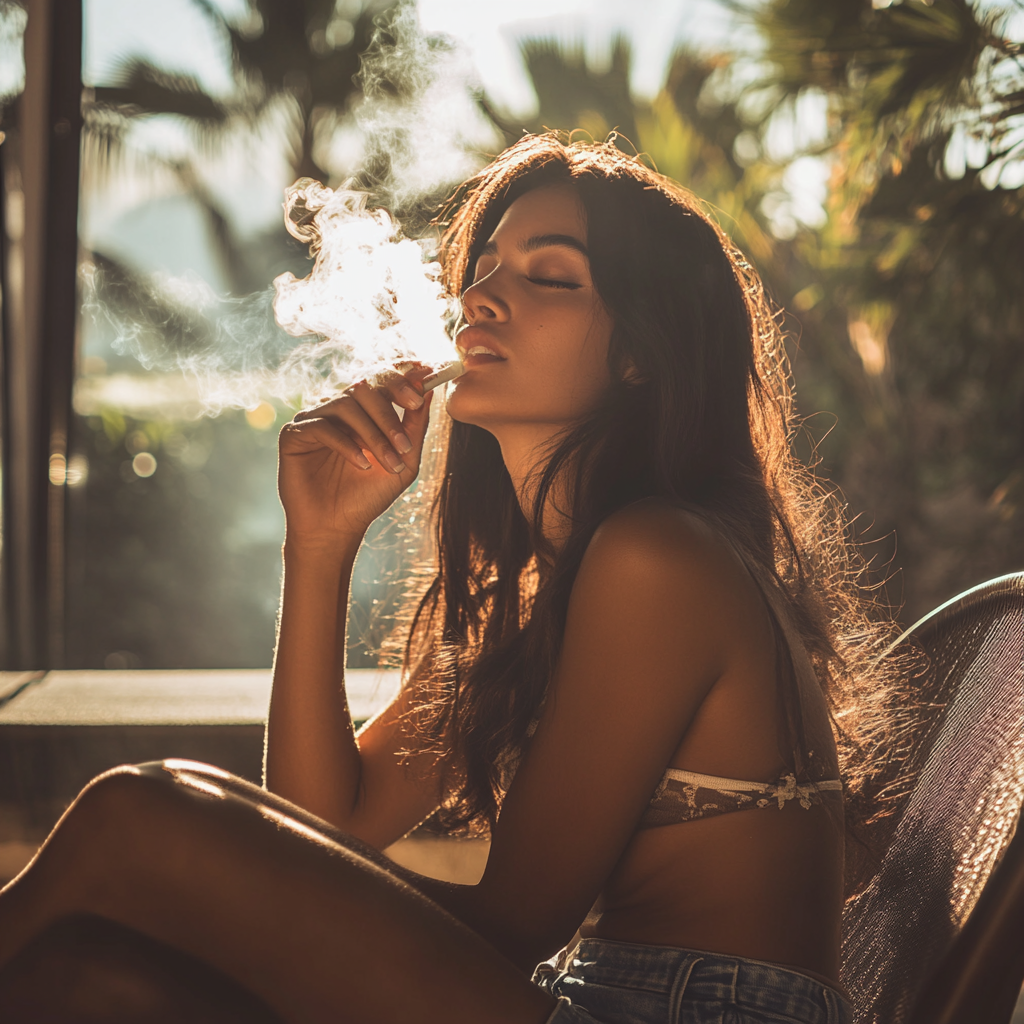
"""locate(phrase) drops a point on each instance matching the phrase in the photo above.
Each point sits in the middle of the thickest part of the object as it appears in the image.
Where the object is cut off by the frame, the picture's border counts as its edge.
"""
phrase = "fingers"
(405, 388)
(316, 433)
(416, 421)
(365, 412)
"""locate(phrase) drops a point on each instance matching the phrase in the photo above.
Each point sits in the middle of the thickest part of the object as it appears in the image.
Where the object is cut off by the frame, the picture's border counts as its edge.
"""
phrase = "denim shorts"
(606, 982)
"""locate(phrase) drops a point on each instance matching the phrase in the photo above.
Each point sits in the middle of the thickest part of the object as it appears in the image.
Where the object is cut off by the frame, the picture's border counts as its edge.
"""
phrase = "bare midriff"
(764, 884)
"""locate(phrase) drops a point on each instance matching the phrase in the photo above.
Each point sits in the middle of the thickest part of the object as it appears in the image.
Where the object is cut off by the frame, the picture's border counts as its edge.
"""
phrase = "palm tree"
(301, 59)
(163, 543)
(905, 309)
(912, 319)
(674, 132)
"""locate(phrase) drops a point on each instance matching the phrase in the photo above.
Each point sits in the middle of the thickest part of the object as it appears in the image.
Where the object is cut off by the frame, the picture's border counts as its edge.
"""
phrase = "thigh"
(88, 970)
(266, 893)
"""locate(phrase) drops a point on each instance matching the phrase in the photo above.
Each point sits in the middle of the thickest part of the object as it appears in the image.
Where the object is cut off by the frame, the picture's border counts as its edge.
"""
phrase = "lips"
(481, 354)
(476, 349)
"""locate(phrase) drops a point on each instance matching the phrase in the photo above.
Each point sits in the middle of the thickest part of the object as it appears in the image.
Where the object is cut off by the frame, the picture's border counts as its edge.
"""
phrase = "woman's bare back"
(764, 883)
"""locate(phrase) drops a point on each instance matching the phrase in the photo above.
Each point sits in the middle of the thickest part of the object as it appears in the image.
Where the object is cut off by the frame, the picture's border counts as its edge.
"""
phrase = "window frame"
(37, 354)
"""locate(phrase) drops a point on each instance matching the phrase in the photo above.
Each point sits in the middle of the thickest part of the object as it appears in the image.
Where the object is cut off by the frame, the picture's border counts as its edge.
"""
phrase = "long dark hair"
(699, 413)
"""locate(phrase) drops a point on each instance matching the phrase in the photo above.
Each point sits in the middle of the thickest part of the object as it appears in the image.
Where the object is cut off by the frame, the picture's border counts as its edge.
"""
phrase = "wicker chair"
(937, 936)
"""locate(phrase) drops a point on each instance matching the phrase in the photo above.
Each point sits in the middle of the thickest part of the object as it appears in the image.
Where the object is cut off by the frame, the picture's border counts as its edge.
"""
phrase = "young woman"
(626, 667)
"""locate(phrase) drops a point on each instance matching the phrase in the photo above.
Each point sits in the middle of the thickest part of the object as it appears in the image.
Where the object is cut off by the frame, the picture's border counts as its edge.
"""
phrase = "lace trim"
(685, 796)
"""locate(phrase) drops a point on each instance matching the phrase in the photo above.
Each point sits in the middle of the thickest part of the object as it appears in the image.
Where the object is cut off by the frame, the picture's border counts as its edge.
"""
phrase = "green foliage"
(905, 305)
(683, 137)
(916, 339)
(304, 52)
(164, 573)
(181, 568)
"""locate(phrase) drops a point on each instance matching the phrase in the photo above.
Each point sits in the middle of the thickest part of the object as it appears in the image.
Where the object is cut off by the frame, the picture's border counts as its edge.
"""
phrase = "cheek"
(577, 375)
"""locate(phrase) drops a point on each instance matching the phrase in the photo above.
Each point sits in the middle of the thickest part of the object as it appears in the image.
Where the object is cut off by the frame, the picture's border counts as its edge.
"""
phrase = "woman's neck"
(525, 452)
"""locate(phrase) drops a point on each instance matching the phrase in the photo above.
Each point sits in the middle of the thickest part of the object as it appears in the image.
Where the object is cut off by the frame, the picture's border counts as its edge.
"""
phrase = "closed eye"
(549, 283)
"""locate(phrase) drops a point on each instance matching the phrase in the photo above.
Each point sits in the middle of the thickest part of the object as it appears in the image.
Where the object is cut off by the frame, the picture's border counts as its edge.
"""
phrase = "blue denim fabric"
(607, 982)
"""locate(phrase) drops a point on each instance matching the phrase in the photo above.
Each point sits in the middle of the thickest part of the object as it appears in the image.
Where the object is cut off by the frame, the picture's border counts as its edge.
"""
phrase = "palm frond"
(573, 94)
(146, 90)
(150, 327)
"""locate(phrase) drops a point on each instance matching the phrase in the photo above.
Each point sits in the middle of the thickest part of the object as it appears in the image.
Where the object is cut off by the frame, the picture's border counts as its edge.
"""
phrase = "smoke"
(203, 352)
(421, 123)
(372, 299)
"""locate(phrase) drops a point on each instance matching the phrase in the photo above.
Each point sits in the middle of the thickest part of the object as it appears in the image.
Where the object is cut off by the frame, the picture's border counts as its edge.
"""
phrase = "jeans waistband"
(748, 984)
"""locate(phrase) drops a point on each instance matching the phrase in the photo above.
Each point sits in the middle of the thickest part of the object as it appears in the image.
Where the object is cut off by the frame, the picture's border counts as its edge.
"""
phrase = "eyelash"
(568, 285)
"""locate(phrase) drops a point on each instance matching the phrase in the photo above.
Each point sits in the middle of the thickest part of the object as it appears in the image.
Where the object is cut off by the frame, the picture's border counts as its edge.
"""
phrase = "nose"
(481, 302)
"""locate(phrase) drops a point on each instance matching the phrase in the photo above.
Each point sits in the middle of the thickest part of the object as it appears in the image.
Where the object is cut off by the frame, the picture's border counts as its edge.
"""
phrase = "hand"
(343, 463)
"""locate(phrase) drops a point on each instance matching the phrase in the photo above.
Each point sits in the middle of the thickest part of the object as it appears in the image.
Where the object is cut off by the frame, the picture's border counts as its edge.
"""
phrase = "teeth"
(481, 350)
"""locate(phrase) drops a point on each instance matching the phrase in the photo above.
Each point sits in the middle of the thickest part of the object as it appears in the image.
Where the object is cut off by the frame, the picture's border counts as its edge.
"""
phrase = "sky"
(653, 26)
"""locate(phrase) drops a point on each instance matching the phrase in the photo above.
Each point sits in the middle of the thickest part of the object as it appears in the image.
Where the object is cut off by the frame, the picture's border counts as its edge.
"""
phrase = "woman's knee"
(132, 782)
(130, 794)
(115, 793)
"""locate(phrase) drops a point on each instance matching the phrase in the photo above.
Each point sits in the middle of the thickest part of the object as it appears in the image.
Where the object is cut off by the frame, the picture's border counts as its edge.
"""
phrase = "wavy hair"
(704, 419)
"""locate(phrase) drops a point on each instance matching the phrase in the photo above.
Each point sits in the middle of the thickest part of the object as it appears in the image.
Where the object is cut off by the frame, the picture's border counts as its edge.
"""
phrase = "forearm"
(312, 757)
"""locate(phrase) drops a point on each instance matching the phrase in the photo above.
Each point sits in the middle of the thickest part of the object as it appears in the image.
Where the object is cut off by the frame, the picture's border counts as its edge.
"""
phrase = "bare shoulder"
(656, 538)
(656, 561)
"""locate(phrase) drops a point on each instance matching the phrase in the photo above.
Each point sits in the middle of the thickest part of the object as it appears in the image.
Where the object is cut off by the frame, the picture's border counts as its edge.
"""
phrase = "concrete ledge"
(62, 729)
(12, 684)
(165, 696)
(58, 730)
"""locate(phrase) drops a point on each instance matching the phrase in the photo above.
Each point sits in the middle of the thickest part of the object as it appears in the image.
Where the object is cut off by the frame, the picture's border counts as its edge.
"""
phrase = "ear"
(630, 374)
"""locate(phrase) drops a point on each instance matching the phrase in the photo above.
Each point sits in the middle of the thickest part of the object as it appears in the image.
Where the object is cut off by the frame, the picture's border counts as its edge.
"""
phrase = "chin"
(466, 404)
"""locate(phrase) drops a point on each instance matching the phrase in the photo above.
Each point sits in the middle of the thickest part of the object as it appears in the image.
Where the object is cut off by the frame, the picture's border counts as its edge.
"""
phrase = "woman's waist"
(746, 893)
(709, 975)
(809, 947)
(699, 869)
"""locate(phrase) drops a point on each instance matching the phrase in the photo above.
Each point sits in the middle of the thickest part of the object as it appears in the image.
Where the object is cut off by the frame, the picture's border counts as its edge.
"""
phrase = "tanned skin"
(668, 659)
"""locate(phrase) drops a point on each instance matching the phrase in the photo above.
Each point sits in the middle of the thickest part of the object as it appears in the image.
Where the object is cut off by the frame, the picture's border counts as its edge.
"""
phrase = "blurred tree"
(905, 303)
(683, 136)
(178, 565)
(297, 59)
(910, 296)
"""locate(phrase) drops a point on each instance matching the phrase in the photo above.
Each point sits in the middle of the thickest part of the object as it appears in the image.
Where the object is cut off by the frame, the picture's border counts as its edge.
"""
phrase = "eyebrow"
(541, 242)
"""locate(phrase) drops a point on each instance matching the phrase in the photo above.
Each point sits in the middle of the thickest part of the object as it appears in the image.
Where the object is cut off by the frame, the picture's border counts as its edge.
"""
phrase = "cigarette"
(446, 373)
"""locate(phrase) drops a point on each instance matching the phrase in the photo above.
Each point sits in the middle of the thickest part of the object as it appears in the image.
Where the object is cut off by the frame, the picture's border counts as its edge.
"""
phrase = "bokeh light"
(144, 464)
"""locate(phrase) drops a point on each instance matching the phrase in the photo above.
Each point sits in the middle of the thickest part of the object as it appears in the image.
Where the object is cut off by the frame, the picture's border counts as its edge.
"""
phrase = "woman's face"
(536, 350)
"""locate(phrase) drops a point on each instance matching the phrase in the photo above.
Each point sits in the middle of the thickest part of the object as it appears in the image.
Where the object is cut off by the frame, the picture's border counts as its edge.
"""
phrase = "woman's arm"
(311, 755)
(331, 491)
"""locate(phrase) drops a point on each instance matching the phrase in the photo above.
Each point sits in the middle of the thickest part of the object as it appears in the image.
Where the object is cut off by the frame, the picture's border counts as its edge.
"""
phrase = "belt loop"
(679, 983)
(833, 1007)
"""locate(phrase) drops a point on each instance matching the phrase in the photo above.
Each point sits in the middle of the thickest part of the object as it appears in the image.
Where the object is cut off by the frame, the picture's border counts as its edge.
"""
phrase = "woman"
(624, 666)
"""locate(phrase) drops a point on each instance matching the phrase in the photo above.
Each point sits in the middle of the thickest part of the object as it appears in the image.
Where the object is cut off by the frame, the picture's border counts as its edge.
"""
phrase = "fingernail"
(402, 442)
(363, 462)
(410, 398)
(395, 464)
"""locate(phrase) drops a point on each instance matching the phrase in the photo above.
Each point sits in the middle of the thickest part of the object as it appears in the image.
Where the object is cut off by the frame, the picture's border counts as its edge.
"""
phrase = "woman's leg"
(221, 870)
(88, 970)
